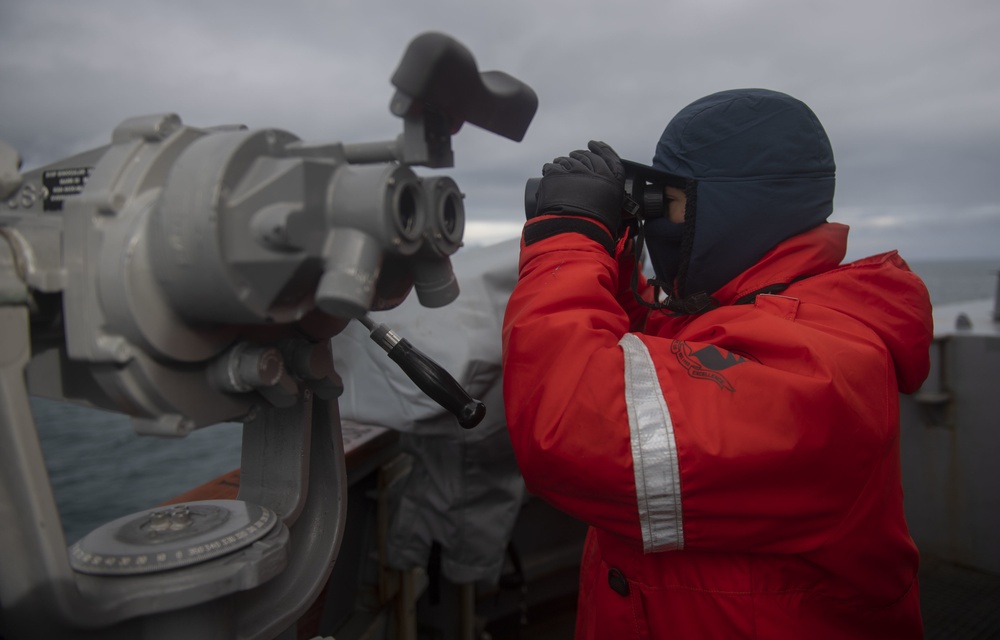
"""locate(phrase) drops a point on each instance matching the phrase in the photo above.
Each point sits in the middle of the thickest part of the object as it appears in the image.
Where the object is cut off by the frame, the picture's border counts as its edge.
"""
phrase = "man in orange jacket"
(733, 442)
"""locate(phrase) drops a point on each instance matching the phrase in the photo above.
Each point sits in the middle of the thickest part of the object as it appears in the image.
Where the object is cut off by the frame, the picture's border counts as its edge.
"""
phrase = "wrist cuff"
(541, 229)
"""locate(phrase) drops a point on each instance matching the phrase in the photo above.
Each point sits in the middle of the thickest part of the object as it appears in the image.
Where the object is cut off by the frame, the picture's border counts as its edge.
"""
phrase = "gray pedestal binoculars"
(189, 276)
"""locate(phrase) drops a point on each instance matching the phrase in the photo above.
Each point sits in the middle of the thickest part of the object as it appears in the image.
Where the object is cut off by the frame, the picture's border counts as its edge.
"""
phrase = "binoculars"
(644, 192)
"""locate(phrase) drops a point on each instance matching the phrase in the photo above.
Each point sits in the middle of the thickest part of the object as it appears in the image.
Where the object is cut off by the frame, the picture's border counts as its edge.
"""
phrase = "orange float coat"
(739, 468)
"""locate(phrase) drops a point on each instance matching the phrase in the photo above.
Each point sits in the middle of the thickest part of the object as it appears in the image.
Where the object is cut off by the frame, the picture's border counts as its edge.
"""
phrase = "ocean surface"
(100, 470)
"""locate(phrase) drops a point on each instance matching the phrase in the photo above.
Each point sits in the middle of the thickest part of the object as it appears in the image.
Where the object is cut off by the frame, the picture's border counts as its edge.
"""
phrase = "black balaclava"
(758, 168)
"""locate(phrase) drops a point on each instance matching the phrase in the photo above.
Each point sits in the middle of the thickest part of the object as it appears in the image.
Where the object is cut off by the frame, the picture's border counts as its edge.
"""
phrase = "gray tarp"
(465, 490)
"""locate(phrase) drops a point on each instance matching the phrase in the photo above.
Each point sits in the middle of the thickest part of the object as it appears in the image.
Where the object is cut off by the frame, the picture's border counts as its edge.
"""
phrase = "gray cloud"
(907, 89)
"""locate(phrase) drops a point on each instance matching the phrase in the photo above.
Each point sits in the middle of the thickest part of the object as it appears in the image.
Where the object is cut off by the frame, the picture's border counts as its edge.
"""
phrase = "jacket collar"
(816, 251)
(883, 294)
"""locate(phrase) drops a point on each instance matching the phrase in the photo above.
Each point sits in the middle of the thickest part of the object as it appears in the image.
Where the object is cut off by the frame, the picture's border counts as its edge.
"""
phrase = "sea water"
(958, 280)
(100, 470)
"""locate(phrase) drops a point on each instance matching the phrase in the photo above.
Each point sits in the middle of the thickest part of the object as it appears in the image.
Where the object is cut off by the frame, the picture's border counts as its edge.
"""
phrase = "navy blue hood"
(759, 169)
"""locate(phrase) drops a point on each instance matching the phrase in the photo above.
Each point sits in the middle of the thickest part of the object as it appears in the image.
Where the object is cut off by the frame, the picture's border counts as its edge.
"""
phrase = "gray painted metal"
(191, 276)
(10, 163)
(950, 441)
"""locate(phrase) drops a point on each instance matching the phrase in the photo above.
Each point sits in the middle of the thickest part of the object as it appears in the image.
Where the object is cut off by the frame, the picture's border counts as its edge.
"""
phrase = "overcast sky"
(908, 90)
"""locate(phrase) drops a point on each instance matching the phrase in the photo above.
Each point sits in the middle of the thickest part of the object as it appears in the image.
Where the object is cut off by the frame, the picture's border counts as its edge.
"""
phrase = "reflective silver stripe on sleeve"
(654, 451)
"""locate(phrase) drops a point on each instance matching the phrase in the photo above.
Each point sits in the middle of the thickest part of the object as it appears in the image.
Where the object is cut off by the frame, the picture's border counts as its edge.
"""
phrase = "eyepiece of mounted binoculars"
(433, 277)
(377, 209)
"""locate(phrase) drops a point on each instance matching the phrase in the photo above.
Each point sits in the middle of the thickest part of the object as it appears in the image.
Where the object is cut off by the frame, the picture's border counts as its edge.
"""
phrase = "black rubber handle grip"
(438, 384)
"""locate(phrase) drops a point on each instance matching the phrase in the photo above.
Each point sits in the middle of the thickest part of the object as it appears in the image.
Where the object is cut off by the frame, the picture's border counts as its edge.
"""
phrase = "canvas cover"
(464, 491)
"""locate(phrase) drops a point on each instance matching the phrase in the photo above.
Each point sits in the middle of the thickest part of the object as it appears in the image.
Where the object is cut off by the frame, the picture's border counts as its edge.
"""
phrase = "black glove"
(587, 183)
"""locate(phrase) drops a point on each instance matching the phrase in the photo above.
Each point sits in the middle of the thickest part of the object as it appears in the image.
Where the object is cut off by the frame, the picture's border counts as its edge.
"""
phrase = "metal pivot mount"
(245, 568)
